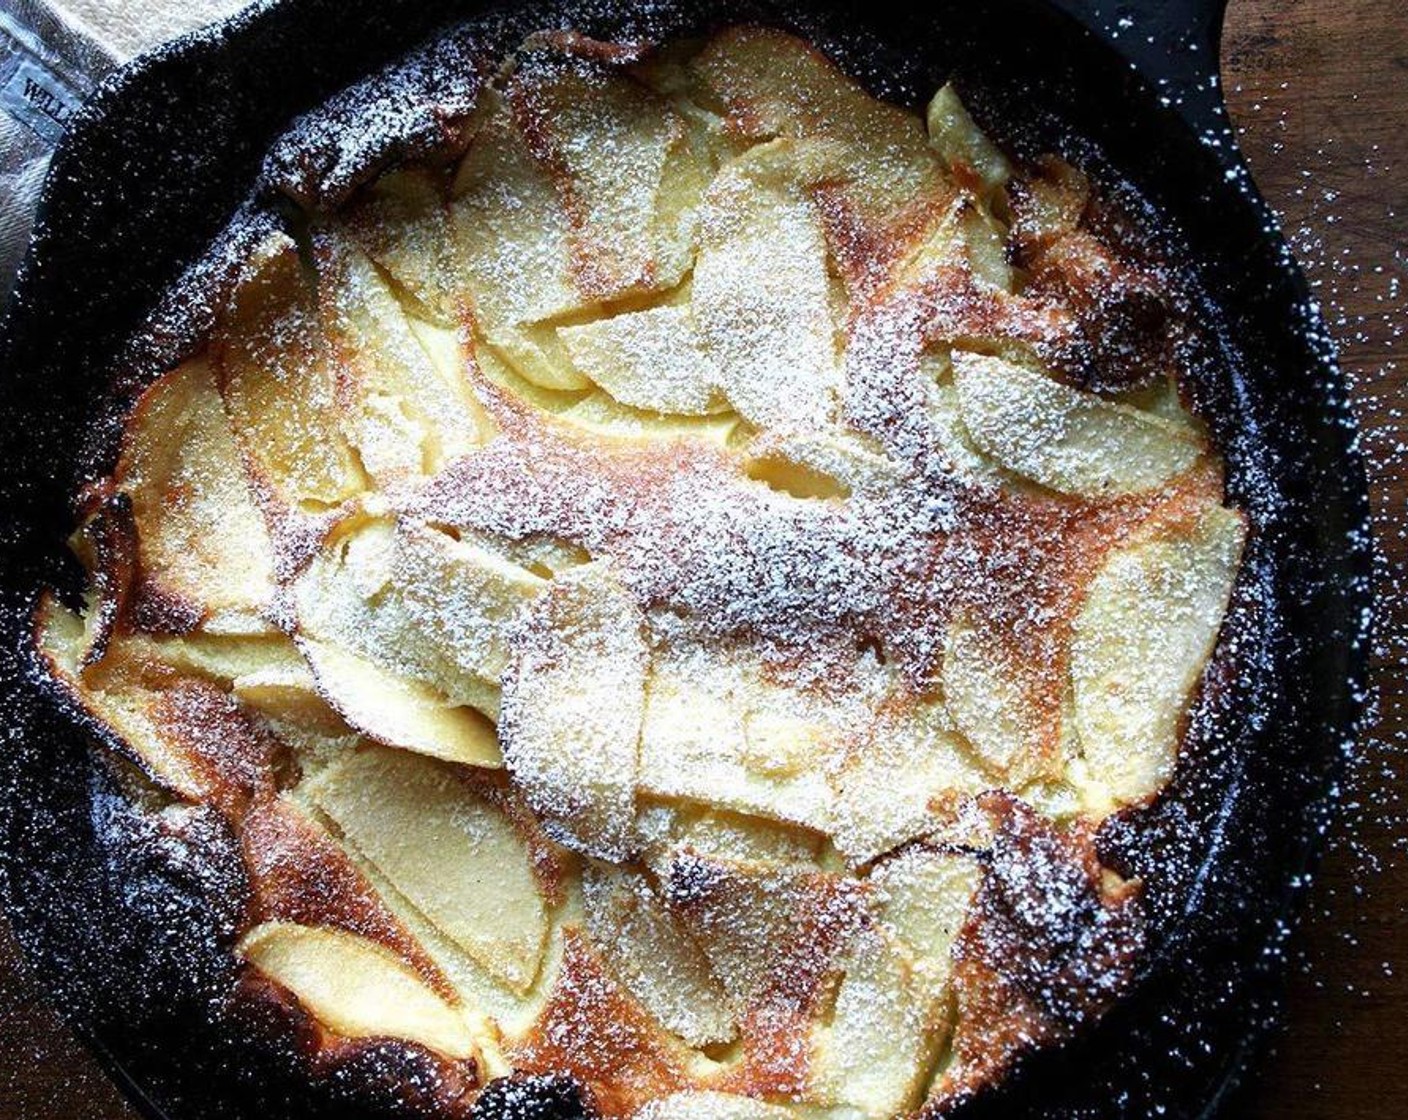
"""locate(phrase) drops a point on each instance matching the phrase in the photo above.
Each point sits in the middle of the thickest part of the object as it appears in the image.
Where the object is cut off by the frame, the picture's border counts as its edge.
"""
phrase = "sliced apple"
(398, 711)
(609, 139)
(419, 604)
(655, 955)
(513, 249)
(726, 835)
(1148, 625)
(774, 84)
(906, 781)
(995, 704)
(224, 657)
(1063, 438)
(922, 897)
(961, 235)
(499, 1014)
(460, 595)
(451, 850)
(649, 359)
(984, 247)
(200, 536)
(355, 987)
(402, 222)
(404, 416)
(573, 699)
(1047, 204)
(275, 373)
(762, 294)
(599, 413)
(831, 464)
(754, 919)
(289, 695)
(335, 598)
(545, 555)
(602, 415)
(118, 701)
(265, 673)
(1161, 398)
(975, 160)
(714, 732)
(946, 422)
(885, 1032)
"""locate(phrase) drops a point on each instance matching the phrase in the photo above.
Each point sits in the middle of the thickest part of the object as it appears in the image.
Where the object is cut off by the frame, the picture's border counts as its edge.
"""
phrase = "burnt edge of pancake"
(1020, 981)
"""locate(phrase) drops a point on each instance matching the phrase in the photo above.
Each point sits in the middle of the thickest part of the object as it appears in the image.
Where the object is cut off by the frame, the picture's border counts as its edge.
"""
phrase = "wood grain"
(1317, 89)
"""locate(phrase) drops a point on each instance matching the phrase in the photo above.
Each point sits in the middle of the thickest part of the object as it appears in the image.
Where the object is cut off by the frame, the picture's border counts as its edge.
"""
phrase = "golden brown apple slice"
(1161, 398)
(703, 1104)
(994, 703)
(289, 696)
(762, 293)
(893, 1012)
(1047, 204)
(265, 673)
(126, 690)
(182, 732)
(499, 1015)
(655, 956)
(755, 921)
(649, 359)
(960, 235)
(450, 356)
(573, 698)
(402, 222)
(830, 464)
(1071, 441)
(398, 711)
(222, 657)
(609, 141)
(275, 373)
(355, 987)
(449, 849)
(727, 835)
(885, 1033)
(774, 84)
(460, 595)
(602, 415)
(945, 419)
(419, 604)
(1147, 627)
(405, 418)
(906, 781)
(200, 537)
(714, 732)
(513, 249)
(974, 159)
(922, 897)
(117, 701)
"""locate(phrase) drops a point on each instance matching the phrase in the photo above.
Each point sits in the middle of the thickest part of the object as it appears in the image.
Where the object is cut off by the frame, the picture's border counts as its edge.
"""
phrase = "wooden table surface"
(1317, 90)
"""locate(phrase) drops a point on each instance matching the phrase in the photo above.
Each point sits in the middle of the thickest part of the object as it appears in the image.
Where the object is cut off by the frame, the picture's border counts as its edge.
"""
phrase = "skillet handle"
(1174, 45)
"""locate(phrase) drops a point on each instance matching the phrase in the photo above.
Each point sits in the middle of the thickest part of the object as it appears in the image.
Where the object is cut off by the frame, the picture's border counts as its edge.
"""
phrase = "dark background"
(1319, 92)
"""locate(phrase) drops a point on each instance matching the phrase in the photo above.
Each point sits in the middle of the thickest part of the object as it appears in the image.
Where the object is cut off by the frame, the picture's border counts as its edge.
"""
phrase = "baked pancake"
(667, 595)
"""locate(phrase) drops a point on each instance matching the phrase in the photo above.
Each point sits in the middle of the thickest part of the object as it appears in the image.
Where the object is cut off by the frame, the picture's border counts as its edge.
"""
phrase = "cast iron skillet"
(125, 919)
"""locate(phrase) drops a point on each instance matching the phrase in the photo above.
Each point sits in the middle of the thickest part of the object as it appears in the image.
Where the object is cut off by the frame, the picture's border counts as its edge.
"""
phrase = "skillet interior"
(153, 171)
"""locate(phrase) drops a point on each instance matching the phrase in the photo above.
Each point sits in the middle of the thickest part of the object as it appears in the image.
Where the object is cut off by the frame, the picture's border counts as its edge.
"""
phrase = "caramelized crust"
(1047, 948)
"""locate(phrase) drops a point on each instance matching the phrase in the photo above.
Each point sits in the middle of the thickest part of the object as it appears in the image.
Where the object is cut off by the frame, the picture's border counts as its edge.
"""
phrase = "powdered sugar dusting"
(654, 494)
